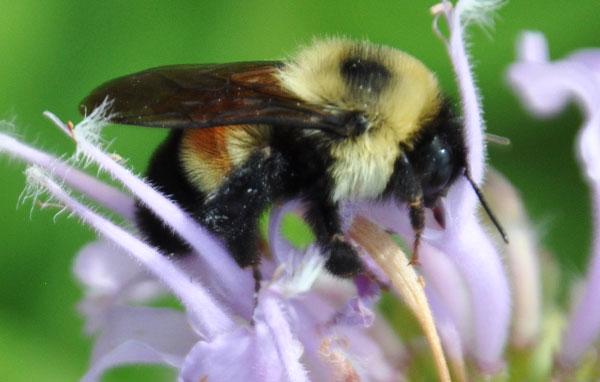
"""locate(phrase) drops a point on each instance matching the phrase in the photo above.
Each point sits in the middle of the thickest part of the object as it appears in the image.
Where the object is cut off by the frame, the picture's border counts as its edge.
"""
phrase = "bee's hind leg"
(233, 211)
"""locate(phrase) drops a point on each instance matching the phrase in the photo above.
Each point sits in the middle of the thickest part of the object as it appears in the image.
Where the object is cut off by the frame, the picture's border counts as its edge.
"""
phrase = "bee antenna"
(485, 205)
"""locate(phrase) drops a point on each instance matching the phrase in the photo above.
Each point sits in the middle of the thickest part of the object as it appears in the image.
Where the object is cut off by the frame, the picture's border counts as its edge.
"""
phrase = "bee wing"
(197, 96)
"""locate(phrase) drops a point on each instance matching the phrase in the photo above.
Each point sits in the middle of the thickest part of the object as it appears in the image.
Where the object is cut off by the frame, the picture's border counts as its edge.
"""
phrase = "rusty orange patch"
(205, 157)
(210, 145)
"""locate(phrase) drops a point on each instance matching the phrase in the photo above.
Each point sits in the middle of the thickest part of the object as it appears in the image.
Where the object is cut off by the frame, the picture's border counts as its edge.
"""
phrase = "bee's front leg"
(406, 187)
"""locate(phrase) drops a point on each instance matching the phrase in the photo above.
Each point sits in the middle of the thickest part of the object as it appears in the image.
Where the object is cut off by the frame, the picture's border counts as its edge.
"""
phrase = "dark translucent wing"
(195, 96)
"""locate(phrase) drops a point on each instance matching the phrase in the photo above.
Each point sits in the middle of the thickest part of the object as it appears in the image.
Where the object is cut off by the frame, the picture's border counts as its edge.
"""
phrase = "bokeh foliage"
(54, 52)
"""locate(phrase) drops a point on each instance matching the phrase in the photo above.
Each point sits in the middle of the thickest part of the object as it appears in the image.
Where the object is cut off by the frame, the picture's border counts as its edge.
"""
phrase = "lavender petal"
(522, 258)
(477, 260)
(135, 335)
(111, 278)
(464, 240)
(241, 355)
(208, 317)
(102, 267)
(392, 349)
(129, 353)
(576, 77)
(96, 190)
(363, 356)
(469, 94)
(290, 350)
(447, 328)
(354, 313)
(452, 294)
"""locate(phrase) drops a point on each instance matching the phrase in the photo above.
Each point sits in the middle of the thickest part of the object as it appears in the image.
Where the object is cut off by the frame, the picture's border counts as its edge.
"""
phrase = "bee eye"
(433, 162)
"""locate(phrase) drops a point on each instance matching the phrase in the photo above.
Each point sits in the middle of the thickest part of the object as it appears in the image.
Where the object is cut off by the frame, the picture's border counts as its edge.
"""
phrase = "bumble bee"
(342, 120)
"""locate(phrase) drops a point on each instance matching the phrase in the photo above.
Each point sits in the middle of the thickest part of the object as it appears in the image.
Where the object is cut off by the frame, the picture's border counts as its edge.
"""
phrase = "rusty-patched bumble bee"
(342, 120)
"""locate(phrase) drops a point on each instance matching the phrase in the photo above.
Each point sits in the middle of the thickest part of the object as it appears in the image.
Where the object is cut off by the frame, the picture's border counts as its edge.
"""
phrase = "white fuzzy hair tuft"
(301, 270)
(88, 130)
(480, 12)
(35, 188)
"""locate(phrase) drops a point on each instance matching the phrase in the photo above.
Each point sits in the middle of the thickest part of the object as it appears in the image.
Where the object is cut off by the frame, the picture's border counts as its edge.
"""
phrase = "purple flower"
(546, 88)
(304, 324)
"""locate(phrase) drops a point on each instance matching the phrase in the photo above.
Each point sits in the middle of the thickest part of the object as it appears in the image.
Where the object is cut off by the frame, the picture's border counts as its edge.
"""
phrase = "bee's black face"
(438, 158)
(435, 166)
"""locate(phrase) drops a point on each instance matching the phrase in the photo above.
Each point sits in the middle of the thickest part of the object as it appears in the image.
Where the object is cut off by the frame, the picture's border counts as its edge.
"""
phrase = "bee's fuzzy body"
(402, 141)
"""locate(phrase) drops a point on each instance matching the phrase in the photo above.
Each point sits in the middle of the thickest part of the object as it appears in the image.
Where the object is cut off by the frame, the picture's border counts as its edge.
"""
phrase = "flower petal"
(96, 190)
(136, 335)
(299, 271)
(393, 350)
(542, 98)
(522, 257)
(208, 317)
(129, 353)
(241, 355)
(464, 239)
(354, 356)
(443, 279)
(469, 94)
(270, 311)
(448, 333)
(111, 278)
(358, 310)
(476, 258)
(268, 352)
(343, 352)
(546, 87)
(101, 266)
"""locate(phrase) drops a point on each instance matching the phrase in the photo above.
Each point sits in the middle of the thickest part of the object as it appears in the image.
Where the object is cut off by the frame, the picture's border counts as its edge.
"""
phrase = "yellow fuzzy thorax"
(363, 165)
(412, 95)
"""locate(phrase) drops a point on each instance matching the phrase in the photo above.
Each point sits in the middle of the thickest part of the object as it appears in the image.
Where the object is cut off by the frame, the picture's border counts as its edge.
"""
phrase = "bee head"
(438, 156)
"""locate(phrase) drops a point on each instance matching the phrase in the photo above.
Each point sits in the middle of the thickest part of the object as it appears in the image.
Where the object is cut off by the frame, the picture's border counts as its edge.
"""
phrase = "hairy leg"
(406, 188)
(233, 211)
(323, 216)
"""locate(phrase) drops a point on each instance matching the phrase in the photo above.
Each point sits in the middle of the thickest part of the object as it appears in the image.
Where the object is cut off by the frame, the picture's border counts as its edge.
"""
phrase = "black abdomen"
(166, 174)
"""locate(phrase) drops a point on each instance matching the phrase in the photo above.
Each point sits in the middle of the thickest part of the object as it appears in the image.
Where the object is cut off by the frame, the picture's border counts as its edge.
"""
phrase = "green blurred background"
(53, 52)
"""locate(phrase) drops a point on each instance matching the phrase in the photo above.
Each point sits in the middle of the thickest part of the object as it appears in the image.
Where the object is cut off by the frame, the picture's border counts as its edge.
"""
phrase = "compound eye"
(436, 169)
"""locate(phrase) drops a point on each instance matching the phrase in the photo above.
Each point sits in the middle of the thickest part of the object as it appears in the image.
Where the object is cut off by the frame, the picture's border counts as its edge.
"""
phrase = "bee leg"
(405, 186)
(257, 275)
(232, 212)
(343, 259)
(417, 221)
(324, 218)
